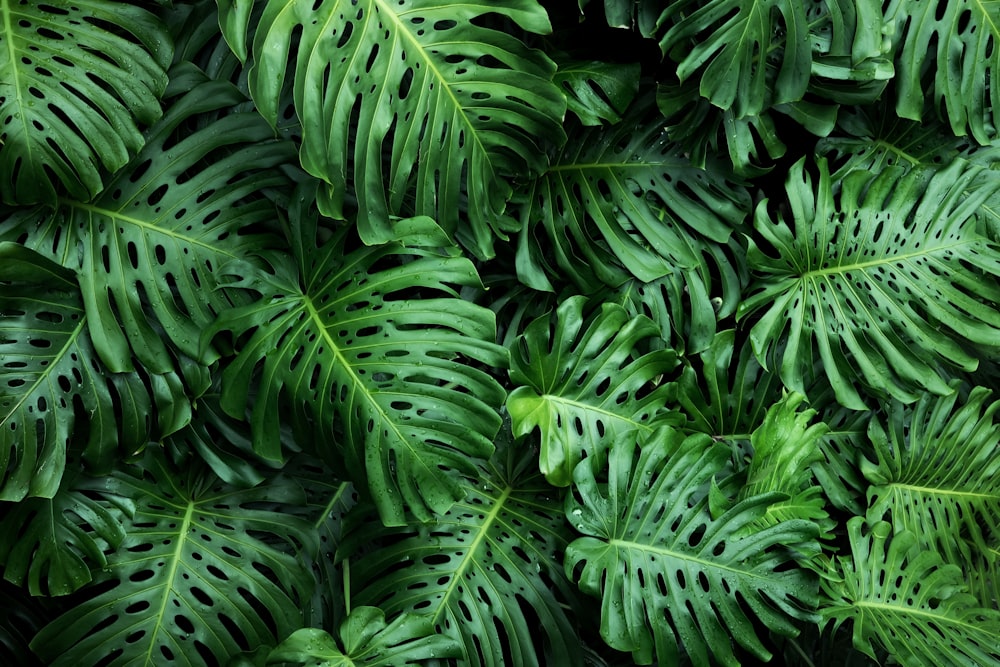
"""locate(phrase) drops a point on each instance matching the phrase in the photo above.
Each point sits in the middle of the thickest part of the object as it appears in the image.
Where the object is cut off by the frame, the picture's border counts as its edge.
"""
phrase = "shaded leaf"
(596, 91)
(76, 81)
(202, 574)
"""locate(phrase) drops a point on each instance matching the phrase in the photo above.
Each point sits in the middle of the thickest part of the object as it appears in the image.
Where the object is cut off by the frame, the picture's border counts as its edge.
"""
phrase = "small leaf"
(596, 91)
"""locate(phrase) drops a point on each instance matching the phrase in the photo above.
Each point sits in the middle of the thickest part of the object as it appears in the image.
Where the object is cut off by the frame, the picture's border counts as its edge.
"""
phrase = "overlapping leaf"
(76, 82)
(958, 43)
(937, 473)
(203, 574)
(345, 337)
(671, 577)
(420, 105)
(56, 543)
(54, 390)
(909, 601)
(625, 196)
(584, 382)
(596, 91)
(366, 640)
(151, 245)
(486, 573)
(885, 282)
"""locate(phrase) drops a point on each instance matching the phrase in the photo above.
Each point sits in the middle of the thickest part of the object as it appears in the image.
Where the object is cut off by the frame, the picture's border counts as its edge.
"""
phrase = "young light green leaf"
(584, 382)
(670, 577)
(76, 81)
(884, 280)
(426, 109)
(388, 374)
(906, 599)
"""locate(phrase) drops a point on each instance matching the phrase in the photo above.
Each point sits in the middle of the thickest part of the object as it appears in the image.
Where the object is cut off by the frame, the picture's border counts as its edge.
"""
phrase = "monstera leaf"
(596, 91)
(584, 383)
(55, 392)
(909, 601)
(426, 108)
(885, 282)
(668, 573)
(60, 540)
(76, 80)
(486, 573)
(937, 473)
(958, 43)
(156, 237)
(202, 575)
(365, 640)
(344, 335)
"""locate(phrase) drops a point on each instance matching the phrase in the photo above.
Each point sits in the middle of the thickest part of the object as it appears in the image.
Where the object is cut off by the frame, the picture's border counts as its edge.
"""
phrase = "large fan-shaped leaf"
(76, 79)
(959, 42)
(486, 572)
(883, 283)
(200, 577)
(155, 239)
(908, 600)
(667, 572)
(54, 544)
(584, 382)
(344, 336)
(365, 640)
(428, 109)
(54, 391)
(627, 196)
(937, 473)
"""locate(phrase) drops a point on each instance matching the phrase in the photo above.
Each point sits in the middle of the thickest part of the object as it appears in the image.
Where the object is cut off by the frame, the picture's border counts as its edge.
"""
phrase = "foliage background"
(421, 332)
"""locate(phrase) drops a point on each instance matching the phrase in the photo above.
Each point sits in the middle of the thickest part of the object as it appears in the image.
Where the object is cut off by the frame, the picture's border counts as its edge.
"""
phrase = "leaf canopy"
(371, 347)
(76, 82)
(668, 574)
(884, 278)
(422, 107)
(202, 574)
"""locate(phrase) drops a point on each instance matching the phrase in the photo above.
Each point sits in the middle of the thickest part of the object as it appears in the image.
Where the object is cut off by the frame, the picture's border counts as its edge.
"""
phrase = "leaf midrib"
(892, 259)
(586, 407)
(175, 560)
(701, 562)
(470, 555)
(12, 57)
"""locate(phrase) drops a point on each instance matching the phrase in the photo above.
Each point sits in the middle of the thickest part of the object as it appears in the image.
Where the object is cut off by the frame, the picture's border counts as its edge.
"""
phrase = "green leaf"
(486, 572)
(59, 541)
(153, 242)
(671, 577)
(427, 109)
(596, 91)
(626, 195)
(958, 43)
(391, 374)
(202, 574)
(76, 80)
(937, 473)
(584, 382)
(54, 391)
(365, 639)
(883, 280)
(907, 600)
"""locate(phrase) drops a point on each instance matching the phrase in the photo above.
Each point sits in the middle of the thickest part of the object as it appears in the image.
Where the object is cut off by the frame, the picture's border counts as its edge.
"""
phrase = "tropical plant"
(514, 332)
